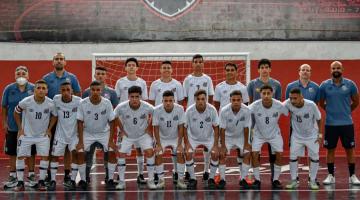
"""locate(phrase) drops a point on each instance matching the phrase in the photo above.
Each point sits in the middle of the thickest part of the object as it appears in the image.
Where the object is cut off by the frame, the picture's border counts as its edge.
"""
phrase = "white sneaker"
(292, 185)
(181, 184)
(354, 180)
(151, 185)
(330, 179)
(313, 185)
(161, 184)
(120, 186)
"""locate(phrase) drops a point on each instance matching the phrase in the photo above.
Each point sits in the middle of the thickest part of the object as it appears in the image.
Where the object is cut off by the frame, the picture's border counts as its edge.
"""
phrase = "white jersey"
(66, 128)
(158, 87)
(200, 125)
(96, 118)
(123, 84)
(266, 119)
(168, 122)
(223, 90)
(303, 120)
(135, 122)
(35, 117)
(234, 123)
(194, 83)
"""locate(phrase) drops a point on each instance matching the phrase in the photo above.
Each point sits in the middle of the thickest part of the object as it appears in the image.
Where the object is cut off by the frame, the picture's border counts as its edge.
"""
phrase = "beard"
(59, 67)
(336, 74)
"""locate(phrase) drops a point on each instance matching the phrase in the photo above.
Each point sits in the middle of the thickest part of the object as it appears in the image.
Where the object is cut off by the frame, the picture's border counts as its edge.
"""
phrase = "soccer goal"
(149, 69)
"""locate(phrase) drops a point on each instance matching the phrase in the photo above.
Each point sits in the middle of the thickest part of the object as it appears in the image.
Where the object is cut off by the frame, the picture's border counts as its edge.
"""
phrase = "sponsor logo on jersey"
(208, 119)
(307, 116)
(31, 110)
(74, 109)
(161, 119)
(230, 120)
(46, 111)
(176, 118)
(205, 84)
(259, 114)
(143, 116)
(103, 112)
(276, 114)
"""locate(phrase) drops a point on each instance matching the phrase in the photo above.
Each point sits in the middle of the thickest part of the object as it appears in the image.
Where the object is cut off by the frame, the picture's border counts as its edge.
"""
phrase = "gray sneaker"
(32, 180)
(11, 182)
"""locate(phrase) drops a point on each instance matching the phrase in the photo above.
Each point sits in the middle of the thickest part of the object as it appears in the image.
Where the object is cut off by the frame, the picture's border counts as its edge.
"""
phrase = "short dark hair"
(101, 68)
(95, 83)
(135, 89)
(197, 56)
(166, 62)
(41, 81)
(295, 91)
(264, 61)
(168, 93)
(132, 59)
(266, 87)
(231, 65)
(199, 92)
(235, 92)
(65, 83)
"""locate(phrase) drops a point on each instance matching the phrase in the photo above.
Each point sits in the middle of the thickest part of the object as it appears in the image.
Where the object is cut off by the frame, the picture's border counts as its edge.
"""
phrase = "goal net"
(149, 65)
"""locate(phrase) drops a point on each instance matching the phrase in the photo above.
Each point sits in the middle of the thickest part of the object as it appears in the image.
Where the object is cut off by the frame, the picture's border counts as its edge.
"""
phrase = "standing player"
(265, 114)
(339, 97)
(264, 69)
(110, 94)
(192, 83)
(122, 86)
(54, 80)
(134, 120)
(168, 122)
(96, 124)
(33, 125)
(12, 95)
(234, 133)
(305, 133)
(157, 88)
(66, 106)
(202, 129)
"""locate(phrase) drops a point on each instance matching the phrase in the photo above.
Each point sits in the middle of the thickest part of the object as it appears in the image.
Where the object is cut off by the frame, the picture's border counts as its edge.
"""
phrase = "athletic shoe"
(192, 184)
(120, 186)
(12, 182)
(221, 184)
(330, 179)
(211, 184)
(82, 185)
(316, 181)
(292, 185)
(187, 177)
(32, 180)
(175, 177)
(205, 176)
(276, 185)
(140, 179)
(161, 184)
(110, 185)
(313, 185)
(151, 185)
(41, 185)
(181, 184)
(354, 180)
(256, 185)
(156, 178)
(244, 184)
(52, 186)
(72, 186)
(20, 186)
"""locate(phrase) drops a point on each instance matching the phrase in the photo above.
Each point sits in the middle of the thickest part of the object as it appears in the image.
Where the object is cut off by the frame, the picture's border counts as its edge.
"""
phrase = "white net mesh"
(149, 69)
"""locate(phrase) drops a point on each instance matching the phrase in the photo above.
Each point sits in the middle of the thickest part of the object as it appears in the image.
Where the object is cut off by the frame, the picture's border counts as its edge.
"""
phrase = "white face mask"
(21, 81)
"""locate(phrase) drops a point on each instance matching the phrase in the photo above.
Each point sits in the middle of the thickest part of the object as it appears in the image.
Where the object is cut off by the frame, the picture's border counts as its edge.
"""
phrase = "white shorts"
(104, 141)
(144, 142)
(235, 143)
(58, 148)
(297, 147)
(276, 143)
(194, 144)
(169, 144)
(24, 146)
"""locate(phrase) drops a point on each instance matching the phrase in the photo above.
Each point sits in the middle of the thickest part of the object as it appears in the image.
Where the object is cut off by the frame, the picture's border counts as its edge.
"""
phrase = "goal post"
(149, 65)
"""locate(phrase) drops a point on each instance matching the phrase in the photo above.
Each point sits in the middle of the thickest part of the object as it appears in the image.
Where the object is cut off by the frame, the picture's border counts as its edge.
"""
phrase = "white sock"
(150, 164)
(190, 168)
(74, 171)
(222, 169)
(140, 164)
(206, 161)
(277, 171)
(181, 170)
(53, 169)
(121, 168)
(111, 169)
(82, 171)
(43, 169)
(245, 170)
(174, 160)
(256, 171)
(20, 167)
(213, 168)
(314, 166)
(293, 168)
(160, 170)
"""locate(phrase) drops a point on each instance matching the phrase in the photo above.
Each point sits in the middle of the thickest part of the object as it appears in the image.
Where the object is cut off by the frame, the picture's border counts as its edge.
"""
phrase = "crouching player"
(234, 134)
(305, 120)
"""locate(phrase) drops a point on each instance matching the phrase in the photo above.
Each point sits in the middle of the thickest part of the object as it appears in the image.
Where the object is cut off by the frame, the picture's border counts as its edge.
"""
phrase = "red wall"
(283, 70)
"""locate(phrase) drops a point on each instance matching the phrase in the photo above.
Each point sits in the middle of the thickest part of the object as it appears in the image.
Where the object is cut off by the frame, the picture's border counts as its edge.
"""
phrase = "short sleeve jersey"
(123, 84)
(223, 90)
(193, 83)
(158, 87)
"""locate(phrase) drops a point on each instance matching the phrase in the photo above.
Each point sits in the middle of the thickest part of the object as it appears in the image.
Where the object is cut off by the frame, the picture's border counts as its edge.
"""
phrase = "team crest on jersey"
(259, 114)
(107, 95)
(230, 120)
(276, 114)
(176, 118)
(307, 116)
(46, 111)
(242, 118)
(67, 79)
(74, 109)
(225, 91)
(31, 110)
(208, 119)
(174, 90)
(205, 84)
(58, 108)
(344, 88)
(311, 89)
(191, 84)
(161, 119)
(30, 92)
(194, 119)
(159, 90)
(127, 116)
(257, 90)
(125, 88)
(88, 112)
(103, 112)
(143, 116)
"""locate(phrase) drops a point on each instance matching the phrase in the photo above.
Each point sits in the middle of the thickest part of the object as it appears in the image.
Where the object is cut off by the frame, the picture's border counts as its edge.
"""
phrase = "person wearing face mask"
(12, 95)
(339, 96)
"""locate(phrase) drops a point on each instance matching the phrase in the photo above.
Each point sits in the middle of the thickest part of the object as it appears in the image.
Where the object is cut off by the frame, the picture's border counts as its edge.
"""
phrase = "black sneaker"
(140, 179)
(244, 184)
(156, 178)
(187, 177)
(67, 183)
(205, 176)
(110, 184)
(88, 180)
(72, 186)
(256, 185)
(20, 186)
(67, 178)
(82, 185)
(221, 184)
(276, 185)
(41, 185)
(175, 177)
(52, 186)
(192, 184)
(211, 184)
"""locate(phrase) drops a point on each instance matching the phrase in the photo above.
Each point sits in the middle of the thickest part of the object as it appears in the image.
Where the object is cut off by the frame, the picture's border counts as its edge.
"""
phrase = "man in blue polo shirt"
(264, 69)
(54, 80)
(12, 95)
(339, 97)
